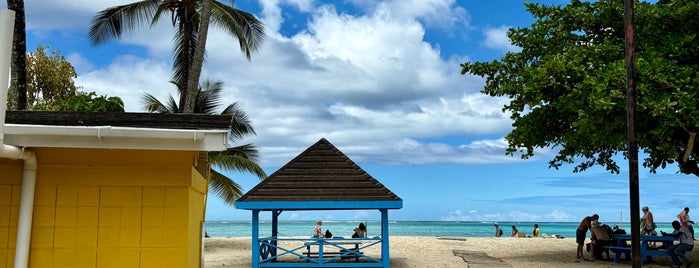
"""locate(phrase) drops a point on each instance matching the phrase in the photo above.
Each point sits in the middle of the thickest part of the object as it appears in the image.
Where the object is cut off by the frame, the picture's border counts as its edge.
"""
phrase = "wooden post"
(385, 255)
(633, 143)
(255, 238)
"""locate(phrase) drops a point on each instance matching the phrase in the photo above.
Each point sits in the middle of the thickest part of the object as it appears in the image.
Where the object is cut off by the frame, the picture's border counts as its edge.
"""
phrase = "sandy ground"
(411, 251)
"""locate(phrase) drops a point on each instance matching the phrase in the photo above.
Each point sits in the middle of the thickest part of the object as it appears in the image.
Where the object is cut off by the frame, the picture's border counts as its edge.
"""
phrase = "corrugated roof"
(322, 173)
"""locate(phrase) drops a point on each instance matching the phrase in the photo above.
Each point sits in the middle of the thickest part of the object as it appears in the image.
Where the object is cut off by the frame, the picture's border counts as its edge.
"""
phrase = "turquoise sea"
(401, 228)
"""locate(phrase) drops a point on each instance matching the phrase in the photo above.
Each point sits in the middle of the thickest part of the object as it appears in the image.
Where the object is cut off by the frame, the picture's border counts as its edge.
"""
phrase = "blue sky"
(381, 81)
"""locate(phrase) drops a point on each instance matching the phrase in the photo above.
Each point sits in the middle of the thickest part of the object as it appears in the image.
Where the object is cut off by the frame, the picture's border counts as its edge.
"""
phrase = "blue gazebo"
(320, 178)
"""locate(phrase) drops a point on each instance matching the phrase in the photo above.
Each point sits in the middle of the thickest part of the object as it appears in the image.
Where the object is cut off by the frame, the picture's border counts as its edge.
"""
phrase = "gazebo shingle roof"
(321, 173)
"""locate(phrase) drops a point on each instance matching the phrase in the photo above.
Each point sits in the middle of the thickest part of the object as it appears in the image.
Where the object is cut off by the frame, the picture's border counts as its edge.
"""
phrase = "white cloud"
(496, 38)
(370, 83)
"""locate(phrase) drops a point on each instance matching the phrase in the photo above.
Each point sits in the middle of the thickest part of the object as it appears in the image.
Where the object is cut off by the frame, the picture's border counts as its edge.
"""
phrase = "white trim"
(115, 137)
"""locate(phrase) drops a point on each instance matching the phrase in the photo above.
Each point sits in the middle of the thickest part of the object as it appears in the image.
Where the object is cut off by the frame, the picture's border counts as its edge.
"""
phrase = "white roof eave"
(110, 137)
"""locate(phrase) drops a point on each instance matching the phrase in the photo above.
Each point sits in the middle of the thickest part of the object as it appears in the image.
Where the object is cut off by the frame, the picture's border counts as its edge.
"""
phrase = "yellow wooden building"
(111, 190)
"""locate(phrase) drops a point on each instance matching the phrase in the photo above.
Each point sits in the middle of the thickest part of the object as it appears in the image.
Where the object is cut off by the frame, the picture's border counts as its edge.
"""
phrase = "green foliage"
(86, 102)
(567, 85)
(49, 78)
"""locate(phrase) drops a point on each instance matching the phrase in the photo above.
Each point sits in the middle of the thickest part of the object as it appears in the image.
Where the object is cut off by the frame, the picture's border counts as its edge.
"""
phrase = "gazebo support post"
(275, 230)
(385, 256)
(255, 238)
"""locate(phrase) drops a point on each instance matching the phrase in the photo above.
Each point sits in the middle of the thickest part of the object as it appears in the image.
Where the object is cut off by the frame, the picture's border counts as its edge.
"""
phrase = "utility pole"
(633, 143)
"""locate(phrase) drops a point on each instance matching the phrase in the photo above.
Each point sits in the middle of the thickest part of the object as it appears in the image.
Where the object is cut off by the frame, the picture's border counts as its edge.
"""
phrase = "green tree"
(566, 86)
(237, 158)
(18, 90)
(85, 102)
(50, 78)
(110, 23)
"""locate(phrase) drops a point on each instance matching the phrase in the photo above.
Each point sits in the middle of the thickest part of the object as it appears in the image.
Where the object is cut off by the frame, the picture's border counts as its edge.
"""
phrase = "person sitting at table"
(318, 231)
(600, 237)
(360, 232)
(686, 243)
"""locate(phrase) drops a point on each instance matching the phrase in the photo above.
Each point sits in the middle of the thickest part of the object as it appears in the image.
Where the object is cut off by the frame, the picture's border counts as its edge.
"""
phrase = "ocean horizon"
(343, 228)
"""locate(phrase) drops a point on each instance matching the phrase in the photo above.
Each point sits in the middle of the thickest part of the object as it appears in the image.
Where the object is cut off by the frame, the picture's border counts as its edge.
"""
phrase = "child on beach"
(318, 232)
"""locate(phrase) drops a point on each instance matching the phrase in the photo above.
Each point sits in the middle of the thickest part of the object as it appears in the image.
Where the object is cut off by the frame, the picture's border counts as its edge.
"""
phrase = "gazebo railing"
(333, 252)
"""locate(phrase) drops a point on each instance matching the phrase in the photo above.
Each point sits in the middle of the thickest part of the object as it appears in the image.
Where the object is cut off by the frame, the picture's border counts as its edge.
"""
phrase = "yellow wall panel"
(86, 237)
(154, 196)
(108, 237)
(44, 216)
(45, 195)
(130, 237)
(151, 257)
(87, 217)
(176, 257)
(152, 237)
(5, 194)
(42, 237)
(153, 216)
(175, 217)
(64, 237)
(109, 216)
(85, 257)
(64, 257)
(107, 208)
(88, 196)
(108, 257)
(129, 257)
(5, 216)
(67, 196)
(131, 217)
(40, 258)
(176, 237)
(175, 195)
(66, 216)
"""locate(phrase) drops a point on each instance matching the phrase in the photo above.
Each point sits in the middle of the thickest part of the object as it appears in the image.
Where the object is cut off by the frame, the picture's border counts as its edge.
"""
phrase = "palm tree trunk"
(18, 92)
(198, 60)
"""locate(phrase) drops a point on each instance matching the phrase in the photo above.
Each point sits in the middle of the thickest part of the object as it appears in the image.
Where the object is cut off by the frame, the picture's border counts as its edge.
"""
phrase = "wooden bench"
(344, 254)
(646, 252)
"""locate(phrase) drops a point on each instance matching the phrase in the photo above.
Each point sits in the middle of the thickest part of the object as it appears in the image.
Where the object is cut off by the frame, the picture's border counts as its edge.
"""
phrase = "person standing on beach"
(685, 221)
(514, 231)
(581, 233)
(535, 233)
(498, 232)
(648, 227)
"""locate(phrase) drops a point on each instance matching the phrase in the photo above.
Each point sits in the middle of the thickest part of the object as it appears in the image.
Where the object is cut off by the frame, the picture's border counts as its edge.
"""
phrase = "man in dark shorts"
(581, 233)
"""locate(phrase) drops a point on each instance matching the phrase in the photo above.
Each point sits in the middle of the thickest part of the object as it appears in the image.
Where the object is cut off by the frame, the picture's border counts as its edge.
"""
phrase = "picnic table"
(623, 247)
(325, 247)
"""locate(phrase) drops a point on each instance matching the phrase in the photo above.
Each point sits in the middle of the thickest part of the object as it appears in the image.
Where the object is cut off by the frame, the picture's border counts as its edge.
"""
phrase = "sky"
(381, 81)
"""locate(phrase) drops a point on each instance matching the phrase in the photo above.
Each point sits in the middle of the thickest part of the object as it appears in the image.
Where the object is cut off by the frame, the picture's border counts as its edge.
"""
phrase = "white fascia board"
(109, 137)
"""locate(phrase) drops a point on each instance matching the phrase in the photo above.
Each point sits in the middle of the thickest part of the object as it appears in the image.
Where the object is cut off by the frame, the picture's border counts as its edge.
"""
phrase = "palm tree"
(238, 158)
(18, 91)
(110, 23)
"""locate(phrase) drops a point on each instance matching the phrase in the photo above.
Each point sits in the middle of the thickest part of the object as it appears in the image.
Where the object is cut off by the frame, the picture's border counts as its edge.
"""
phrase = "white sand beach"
(412, 251)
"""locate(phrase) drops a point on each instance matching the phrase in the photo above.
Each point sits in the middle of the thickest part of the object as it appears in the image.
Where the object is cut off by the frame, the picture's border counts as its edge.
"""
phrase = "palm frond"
(240, 158)
(246, 27)
(209, 97)
(241, 125)
(110, 23)
(224, 187)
